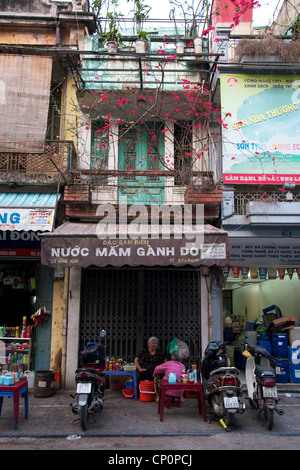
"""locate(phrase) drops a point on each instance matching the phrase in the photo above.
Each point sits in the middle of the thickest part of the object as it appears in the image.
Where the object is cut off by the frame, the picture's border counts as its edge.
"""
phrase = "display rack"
(14, 355)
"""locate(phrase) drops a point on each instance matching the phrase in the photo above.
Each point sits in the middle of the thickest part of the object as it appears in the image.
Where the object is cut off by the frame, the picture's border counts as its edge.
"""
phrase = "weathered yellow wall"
(57, 324)
(36, 36)
(71, 112)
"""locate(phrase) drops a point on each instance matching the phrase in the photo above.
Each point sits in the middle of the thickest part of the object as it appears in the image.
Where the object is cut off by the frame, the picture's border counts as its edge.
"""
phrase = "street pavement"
(134, 425)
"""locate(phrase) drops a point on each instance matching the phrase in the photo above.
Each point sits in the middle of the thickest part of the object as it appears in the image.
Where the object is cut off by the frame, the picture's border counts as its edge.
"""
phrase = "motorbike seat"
(264, 371)
(225, 370)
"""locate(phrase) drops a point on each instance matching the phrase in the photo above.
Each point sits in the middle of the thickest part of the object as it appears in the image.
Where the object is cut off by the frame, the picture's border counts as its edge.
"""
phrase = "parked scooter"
(90, 382)
(261, 382)
(222, 385)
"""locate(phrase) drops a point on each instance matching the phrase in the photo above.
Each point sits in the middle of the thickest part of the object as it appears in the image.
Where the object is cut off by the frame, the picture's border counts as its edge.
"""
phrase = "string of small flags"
(259, 273)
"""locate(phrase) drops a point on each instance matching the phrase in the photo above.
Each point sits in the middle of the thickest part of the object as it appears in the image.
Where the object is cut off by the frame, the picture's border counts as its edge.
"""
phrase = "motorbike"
(261, 382)
(90, 382)
(223, 387)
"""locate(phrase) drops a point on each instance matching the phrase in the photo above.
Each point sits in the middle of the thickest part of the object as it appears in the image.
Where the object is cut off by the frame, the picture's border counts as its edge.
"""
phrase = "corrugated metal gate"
(134, 304)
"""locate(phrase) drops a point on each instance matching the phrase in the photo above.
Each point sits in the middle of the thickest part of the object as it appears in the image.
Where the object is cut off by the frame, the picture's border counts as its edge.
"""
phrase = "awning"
(27, 211)
(78, 244)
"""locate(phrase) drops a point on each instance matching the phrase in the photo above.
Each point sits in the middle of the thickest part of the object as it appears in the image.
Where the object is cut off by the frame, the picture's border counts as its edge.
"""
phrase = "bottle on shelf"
(24, 327)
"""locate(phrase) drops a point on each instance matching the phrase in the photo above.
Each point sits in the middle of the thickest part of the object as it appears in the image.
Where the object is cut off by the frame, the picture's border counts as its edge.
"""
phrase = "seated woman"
(148, 359)
(174, 365)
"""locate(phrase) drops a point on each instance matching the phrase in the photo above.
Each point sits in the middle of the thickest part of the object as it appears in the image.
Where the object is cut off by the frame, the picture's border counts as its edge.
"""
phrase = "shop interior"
(245, 298)
(252, 306)
(17, 295)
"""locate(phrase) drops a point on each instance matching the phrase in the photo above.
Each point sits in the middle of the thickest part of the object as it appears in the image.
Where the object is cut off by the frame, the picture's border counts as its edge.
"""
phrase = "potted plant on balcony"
(140, 16)
(142, 43)
(112, 38)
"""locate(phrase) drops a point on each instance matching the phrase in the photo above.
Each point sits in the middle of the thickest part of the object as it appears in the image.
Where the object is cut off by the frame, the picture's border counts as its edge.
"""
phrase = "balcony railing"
(58, 156)
(242, 198)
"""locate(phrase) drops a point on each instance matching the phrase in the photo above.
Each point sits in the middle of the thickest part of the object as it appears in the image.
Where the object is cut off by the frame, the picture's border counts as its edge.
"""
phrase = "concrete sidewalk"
(53, 417)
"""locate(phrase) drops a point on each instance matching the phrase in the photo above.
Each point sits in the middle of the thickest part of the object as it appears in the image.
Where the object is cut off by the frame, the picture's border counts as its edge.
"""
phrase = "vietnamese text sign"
(261, 141)
(264, 251)
(89, 251)
(26, 219)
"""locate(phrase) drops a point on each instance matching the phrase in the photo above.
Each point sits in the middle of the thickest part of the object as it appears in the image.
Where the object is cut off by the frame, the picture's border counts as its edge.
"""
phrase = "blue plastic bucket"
(294, 371)
(280, 345)
(282, 371)
(264, 336)
(265, 344)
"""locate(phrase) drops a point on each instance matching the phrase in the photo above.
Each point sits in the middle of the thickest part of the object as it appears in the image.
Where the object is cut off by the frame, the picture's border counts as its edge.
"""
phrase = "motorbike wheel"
(230, 420)
(253, 404)
(83, 417)
(269, 418)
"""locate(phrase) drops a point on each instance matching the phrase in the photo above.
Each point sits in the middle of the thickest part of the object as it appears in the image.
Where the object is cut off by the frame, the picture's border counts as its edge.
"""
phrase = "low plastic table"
(194, 387)
(15, 391)
(126, 372)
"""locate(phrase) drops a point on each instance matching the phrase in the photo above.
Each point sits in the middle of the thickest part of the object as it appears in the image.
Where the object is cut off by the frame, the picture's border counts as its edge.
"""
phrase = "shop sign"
(264, 251)
(261, 113)
(88, 251)
(14, 244)
(26, 219)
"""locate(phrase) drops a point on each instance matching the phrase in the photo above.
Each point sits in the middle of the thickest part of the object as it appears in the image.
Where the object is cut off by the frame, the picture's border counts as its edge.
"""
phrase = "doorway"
(134, 304)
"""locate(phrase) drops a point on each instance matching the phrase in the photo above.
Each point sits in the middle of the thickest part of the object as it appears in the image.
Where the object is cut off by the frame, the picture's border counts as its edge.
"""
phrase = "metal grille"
(172, 308)
(109, 301)
(133, 305)
(241, 199)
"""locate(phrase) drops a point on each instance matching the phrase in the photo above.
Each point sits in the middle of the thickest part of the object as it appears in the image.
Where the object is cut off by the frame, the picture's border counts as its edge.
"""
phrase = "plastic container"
(265, 344)
(294, 373)
(251, 337)
(147, 390)
(264, 336)
(129, 383)
(30, 378)
(172, 378)
(280, 345)
(8, 380)
(128, 393)
(228, 334)
(294, 335)
(282, 371)
(294, 356)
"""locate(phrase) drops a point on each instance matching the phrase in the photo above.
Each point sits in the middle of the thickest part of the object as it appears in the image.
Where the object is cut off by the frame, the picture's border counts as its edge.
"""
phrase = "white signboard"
(26, 219)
